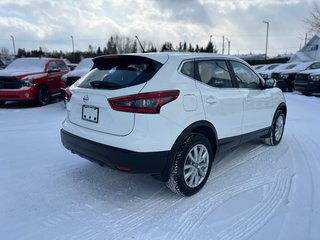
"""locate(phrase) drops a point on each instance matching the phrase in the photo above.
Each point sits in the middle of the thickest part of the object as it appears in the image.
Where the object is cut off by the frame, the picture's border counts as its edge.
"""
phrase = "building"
(310, 52)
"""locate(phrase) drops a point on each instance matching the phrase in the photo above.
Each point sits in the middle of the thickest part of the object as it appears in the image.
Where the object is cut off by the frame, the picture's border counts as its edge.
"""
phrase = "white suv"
(168, 114)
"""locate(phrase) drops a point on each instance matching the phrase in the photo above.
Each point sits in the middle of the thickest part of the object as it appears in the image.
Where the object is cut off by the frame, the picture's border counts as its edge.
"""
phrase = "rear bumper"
(117, 158)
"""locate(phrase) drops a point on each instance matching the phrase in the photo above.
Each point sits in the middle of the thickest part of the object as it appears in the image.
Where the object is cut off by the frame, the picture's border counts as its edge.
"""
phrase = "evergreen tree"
(99, 52)
(191, 49)
(185, 46)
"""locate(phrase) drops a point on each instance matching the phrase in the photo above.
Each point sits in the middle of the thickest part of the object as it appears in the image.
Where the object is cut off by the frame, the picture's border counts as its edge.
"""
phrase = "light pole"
(13, 44)
(228, 45)
(267, 38)
(210, 43)
(222, 45)
(72, 48)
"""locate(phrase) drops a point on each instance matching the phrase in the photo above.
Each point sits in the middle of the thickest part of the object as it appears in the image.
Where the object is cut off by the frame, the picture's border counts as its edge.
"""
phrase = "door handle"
(211, 100)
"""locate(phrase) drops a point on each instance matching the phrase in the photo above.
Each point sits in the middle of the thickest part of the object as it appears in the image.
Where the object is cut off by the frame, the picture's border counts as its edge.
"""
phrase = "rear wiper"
(103, 84)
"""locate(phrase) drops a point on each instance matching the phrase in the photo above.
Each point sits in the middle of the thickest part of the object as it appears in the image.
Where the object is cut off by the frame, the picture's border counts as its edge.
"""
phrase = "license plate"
(90, 113)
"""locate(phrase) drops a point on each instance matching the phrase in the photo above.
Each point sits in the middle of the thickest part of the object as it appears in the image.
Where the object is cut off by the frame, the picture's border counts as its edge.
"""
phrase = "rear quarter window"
(115, 72)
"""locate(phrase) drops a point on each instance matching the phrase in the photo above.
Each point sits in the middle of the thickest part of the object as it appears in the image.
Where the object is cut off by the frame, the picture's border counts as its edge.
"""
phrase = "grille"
(10, 83)
(275, 75)
(71, 80)
(300, 77)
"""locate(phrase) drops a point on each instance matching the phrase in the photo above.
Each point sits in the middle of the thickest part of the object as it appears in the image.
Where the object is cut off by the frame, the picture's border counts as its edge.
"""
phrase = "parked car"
(267, 67)
(257, 67)
(267, 73)
(31, 79)
(71, 77)
(2, 65)
(70, 65)
(286, 78)
(308, 82)
(168, 114)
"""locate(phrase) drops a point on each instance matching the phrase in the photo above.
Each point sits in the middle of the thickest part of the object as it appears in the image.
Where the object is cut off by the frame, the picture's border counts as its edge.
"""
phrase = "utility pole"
(13, 44)
(222, 45)
(228, 45)
(306, 39)
(74, 60)
(267, 38)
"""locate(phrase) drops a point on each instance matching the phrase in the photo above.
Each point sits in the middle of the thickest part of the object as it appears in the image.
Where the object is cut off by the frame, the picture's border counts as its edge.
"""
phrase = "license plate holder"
(90, 113)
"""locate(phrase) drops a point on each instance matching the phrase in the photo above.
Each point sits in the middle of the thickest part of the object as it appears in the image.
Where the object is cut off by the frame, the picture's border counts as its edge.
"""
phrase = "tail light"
(150, 103)
(67, 95)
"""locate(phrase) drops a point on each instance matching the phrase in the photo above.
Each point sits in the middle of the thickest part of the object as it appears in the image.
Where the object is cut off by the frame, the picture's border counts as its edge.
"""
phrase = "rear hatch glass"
(116, 72)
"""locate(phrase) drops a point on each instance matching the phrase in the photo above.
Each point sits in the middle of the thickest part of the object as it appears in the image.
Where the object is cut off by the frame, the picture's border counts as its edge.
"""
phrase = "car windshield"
(258, 67)
(30, 64)
(272, 66)
(302, 66)
(291, 66)
(117, 72)
(85, 64)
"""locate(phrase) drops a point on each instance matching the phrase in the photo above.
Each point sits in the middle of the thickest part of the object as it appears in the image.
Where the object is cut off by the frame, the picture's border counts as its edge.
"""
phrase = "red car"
(31, 79)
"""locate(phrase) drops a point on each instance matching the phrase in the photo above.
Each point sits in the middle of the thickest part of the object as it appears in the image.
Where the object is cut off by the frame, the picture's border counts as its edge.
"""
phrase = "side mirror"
(54, 70)
(270, 83)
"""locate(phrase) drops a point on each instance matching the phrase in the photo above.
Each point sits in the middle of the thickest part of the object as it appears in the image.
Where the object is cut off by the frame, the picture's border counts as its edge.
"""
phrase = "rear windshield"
(115, 72)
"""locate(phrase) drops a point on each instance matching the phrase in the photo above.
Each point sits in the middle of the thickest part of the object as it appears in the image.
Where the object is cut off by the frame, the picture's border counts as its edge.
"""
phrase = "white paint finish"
(254, 192)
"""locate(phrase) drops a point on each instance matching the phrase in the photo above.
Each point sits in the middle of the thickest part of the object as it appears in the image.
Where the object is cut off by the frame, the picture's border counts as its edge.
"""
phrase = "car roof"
(181, 56)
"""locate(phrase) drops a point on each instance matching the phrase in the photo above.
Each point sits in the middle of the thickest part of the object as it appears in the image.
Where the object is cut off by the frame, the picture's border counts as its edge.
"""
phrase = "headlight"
(28, 83)
(315, 78)
(284, 76)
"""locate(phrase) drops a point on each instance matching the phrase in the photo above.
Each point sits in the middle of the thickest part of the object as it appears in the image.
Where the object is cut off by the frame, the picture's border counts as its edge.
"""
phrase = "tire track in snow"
(145, 214)
(195, 215)
(148, 212)
(305, 169)
(257, 217)
(207, 205)
(228, 164)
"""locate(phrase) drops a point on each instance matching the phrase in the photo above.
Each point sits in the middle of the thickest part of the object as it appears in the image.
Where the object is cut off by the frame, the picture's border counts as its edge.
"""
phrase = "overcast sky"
(50, 23)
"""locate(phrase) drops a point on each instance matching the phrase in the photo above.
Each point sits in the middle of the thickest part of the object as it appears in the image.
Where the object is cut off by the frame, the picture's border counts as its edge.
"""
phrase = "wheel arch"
(202, 127)
(283, 107)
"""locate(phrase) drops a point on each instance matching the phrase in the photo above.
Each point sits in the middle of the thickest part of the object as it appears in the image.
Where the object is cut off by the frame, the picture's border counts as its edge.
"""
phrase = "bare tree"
(313, 21)
(4, 53)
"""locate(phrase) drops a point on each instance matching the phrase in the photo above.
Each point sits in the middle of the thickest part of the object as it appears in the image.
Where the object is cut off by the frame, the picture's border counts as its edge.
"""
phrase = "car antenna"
(140, 44)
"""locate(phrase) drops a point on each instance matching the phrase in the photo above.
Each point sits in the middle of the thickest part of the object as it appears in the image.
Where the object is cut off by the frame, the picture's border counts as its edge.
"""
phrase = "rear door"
(111, 77)
(222, 102)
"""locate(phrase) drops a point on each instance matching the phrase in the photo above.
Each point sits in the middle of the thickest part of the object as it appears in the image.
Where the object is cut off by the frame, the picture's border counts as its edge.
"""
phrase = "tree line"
(116, 44)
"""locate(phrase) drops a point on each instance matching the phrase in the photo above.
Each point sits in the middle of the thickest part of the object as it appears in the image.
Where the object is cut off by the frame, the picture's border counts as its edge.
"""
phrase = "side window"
(246, 78)
(214, 73)
(315, 66)
(52, 65)
(188, 69)
(62, 65)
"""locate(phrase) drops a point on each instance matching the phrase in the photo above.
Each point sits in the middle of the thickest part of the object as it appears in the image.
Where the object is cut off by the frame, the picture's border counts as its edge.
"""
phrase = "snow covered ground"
(254, 192)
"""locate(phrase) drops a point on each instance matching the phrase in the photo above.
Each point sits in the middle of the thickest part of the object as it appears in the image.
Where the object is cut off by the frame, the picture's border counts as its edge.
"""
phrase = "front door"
(258, 105)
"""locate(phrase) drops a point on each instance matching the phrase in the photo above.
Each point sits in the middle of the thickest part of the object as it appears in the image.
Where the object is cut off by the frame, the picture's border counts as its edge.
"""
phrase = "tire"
(189, 175)
(277, 129)
(291, 87)
(42, 96)
(306, 93)
(2, 103)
